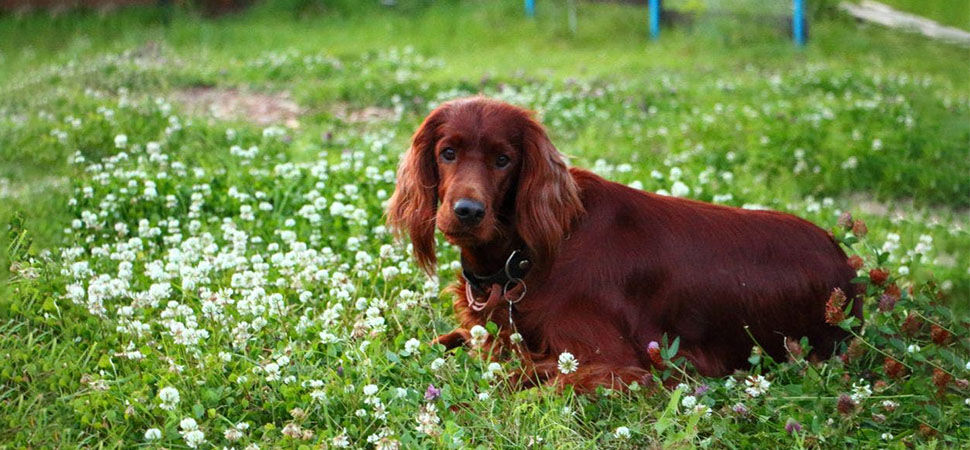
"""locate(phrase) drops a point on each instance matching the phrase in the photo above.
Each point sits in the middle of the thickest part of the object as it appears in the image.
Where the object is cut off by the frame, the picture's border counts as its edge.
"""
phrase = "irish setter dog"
(600, 269)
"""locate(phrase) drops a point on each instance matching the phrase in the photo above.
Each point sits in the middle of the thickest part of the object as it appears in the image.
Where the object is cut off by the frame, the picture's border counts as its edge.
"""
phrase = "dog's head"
(483, 170)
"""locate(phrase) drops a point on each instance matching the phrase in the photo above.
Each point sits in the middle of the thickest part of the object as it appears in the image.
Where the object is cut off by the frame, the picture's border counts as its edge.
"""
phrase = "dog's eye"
(448, 154)
(502, 161)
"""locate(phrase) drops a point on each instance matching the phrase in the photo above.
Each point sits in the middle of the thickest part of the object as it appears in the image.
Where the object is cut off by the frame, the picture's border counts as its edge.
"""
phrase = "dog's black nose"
(469, 211)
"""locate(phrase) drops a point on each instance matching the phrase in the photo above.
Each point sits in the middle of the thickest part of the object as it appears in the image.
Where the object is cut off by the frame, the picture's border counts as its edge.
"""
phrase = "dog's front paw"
(455, 339)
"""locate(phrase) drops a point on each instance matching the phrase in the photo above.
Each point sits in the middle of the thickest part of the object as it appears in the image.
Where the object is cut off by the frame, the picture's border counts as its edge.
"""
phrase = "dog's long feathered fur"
(616, 268)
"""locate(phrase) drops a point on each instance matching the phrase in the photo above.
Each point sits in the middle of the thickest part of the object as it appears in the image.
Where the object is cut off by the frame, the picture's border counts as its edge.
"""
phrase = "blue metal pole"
(654, 19)
(798, 20)
(530, 8)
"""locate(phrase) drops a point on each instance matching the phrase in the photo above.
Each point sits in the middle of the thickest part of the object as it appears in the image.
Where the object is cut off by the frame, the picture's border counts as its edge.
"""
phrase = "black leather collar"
(517, 265)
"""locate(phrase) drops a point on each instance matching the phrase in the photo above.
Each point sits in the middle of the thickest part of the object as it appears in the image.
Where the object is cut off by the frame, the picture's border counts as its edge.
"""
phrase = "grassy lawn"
(954, 13)
(157, 243)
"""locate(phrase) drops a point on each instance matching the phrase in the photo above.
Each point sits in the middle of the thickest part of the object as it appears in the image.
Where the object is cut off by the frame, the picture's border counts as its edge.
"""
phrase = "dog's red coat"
(614, 267)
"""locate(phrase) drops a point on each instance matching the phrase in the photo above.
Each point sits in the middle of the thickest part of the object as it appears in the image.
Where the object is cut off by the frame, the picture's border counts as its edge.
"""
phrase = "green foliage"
(947, 12)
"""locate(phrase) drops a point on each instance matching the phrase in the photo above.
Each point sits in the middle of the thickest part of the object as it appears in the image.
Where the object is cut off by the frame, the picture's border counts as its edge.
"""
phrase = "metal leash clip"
(510, 284)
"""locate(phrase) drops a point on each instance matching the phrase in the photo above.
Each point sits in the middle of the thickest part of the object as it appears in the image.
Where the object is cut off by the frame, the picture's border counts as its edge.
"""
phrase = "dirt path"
(876, 12)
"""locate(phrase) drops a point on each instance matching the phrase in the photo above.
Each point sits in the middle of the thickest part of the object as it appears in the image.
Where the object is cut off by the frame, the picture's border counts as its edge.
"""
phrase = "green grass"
(954, 13)
(861, 120)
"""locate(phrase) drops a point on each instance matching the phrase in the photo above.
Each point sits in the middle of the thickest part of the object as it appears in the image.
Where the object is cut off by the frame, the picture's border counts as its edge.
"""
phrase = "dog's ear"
(547, 201)
(415, 200)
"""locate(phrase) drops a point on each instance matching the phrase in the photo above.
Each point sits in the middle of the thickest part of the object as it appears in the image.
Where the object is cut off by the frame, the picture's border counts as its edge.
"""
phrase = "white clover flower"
(363, 258)
(341, 440)
(272, 371)
(437, 364)
(490, 371)
(967, 367)
(188, 424)
(756, 385)
(688, 401)
(567, 363)
(370, 389)
(755, 206)
(411, 346)
(887, 436)
(479, 334)
(194, 438)
(428, 419)
(739, 408)
(170, 398)
(292, 430)
(891, 244)
(722, 198)
(679, 189)
(273, 131)
(121, 141)
(621, 433)
(483, 396)
(153, 434)
(913, 348)
(232, 434)
(730, 383)
(703, 410)
(850, 163)
(478, 331)
(386, 251)
(328, 338)
(925, 244)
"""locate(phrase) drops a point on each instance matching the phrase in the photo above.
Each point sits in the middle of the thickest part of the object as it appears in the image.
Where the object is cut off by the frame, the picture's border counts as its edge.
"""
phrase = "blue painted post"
(654, 19)
(530, 8)
(798, 21)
